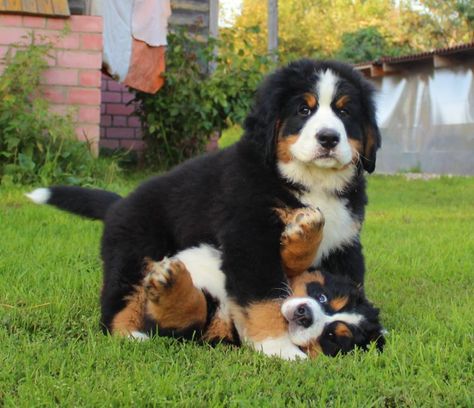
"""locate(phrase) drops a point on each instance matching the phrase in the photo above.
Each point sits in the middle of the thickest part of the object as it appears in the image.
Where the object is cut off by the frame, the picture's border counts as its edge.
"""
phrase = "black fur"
(226, 199)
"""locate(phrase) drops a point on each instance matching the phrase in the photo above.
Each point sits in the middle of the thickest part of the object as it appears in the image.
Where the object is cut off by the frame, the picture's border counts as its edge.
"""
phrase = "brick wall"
(73, 79)
(119, 127)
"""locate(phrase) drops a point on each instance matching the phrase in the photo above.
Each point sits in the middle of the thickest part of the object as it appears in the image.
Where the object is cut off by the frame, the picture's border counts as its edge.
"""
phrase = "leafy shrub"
(204, 92)
(37, 145)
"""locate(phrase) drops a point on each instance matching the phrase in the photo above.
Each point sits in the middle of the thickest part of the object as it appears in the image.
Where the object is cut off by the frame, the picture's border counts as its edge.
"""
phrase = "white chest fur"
(340, 227)
(322, 185)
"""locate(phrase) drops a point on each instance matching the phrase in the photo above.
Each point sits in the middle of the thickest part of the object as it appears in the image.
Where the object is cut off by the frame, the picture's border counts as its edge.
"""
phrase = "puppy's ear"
(272, 131)
(372, 142)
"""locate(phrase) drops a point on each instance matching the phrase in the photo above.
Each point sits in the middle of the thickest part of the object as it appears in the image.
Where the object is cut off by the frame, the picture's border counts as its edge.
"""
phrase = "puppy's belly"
(204, 265)
(341, 227)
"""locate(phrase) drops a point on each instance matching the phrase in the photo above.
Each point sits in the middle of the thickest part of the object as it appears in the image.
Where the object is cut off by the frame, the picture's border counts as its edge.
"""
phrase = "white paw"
(280, 347)
(138, 336)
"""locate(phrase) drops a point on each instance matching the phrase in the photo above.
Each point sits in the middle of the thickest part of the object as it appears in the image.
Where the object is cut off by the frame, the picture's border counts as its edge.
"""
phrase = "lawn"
(419, 246)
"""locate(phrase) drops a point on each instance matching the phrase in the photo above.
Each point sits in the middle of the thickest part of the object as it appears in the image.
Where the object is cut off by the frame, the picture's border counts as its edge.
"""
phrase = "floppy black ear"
(372, 142)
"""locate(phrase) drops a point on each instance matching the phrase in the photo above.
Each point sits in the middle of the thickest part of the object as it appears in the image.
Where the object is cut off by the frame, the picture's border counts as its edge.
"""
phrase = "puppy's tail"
(86, 202)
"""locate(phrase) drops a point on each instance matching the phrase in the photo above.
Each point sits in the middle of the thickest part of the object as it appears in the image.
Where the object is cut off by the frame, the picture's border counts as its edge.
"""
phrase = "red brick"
(90, 24)
(109, 143)
(113, 85)
(103, 108)
(134, 121)
(105, 120)
(127, 97)
(55, 95)
(79, 59)
(87, 132)
(91, 42)
(9, 35)
(138, 145)
(10, 20)
(119, 121)
(62, 110)
(119, 133)
(84, 96)
(119, 109)
(59, 76)
(89, 114)
(69, 42)
(138, 133)
(33, 21)
(90, 78)
(56, 23)
(51, 59)
(111, 97)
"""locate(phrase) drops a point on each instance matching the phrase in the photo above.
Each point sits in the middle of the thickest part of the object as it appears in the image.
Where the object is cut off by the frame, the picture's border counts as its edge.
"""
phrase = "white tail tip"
(40, 195)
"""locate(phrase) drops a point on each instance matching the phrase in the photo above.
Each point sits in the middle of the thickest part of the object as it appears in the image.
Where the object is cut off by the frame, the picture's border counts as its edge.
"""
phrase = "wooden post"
(213, 18)
(273, 28)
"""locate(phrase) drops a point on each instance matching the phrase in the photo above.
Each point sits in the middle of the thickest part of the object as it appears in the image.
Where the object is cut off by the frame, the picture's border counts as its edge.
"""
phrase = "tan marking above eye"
(310, 100)
(338, 303)
(342, 330)
(298, 283)
(342, 101)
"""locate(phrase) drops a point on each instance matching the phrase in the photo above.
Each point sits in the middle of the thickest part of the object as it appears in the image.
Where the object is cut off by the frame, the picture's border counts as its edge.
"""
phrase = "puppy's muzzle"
(328, 138)
(303, 316)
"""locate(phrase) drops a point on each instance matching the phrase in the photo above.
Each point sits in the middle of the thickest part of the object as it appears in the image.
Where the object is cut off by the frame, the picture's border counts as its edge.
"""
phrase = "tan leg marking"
(172, 299)
(261, 320)
(219, 329)
(130, 318)
(301, 238)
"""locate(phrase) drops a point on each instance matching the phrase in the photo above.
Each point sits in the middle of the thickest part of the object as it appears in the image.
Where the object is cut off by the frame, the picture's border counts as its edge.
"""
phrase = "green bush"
(204, 92)
(36, 145)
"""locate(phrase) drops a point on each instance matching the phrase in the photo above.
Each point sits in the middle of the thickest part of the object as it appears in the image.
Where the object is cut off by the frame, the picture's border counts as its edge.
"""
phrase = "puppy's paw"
(163, 276)
(280, 347)
(302, 223)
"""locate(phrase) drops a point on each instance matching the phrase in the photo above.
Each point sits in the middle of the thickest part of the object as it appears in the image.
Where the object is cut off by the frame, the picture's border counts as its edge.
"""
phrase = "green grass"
(419, 245)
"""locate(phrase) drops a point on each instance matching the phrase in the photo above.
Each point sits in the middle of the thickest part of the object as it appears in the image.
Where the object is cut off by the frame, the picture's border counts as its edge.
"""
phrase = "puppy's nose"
(328, 138)
(303, 315)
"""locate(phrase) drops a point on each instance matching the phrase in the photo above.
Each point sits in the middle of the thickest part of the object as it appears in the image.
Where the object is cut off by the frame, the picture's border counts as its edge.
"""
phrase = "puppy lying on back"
(185, 297)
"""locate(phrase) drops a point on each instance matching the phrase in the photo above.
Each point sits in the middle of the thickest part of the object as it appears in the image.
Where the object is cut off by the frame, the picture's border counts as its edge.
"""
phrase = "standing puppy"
(308, 138)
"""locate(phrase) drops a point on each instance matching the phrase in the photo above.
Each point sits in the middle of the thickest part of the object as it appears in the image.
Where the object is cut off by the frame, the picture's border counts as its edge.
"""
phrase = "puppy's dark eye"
(343, 112)
(304, 110)
(322, 298)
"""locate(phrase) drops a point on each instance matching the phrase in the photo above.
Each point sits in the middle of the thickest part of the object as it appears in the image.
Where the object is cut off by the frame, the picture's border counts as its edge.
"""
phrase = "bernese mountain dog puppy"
(323, 313)
(307, 140)
(185, 297)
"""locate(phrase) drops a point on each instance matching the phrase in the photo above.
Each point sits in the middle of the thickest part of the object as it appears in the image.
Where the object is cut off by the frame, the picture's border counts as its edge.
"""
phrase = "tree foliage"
(330, 28)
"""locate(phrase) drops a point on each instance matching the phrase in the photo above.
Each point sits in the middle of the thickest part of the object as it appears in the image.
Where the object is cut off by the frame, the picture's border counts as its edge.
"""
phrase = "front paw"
(302, 224)
(280, 347)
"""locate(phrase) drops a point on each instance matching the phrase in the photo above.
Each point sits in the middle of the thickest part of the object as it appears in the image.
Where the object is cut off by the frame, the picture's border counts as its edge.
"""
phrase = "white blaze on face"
(302, 336)
(307, 148)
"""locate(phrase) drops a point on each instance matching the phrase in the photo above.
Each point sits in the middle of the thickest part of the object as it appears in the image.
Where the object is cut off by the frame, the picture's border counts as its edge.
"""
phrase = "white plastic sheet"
(426, 116)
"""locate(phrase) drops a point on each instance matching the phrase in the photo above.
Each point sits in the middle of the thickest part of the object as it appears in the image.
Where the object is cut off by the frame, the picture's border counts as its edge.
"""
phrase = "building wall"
(73, 79)
(426, 117)
(119, 127)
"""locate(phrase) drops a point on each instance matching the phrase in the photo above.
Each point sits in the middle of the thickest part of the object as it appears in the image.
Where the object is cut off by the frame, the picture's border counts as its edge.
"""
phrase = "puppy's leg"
(264, 328)
(300, 239)
(172, 299)
(129, 321)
